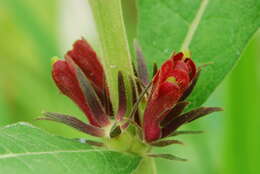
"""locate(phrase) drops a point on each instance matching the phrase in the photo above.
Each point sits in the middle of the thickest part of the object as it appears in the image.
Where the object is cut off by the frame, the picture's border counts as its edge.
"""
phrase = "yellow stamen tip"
(54, 59)
(171, 79)
(187, 53)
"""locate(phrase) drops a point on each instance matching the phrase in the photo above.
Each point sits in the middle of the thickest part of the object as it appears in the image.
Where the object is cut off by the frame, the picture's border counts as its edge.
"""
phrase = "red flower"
(169, 85)
(86, 58)
(65, 74)
(81, 77)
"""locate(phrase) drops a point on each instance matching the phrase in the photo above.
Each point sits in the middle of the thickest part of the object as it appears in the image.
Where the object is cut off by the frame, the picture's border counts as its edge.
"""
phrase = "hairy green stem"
(116, 57)
(115, 52)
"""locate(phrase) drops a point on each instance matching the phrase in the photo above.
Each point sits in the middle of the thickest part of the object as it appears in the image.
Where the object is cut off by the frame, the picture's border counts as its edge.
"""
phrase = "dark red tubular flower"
(168, 87)
(86, 58)
(81, 78)
(157, 109)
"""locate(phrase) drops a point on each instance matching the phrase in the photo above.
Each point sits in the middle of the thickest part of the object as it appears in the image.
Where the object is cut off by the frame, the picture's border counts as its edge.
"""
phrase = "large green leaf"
(215, 31)
(28, 150)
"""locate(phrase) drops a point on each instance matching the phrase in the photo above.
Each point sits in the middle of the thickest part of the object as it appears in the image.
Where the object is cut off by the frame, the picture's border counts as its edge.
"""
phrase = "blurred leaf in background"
(30, 36)
(242, 138)
(23, 56)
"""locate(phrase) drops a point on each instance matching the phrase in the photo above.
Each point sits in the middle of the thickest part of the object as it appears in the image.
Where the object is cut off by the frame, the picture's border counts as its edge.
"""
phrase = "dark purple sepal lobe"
(168, 157)
(186, 118)
(163, 143)
(73, 122)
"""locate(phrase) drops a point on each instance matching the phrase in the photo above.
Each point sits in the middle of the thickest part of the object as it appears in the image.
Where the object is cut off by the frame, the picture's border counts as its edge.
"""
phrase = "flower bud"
(86, 58)
(68, 84)
(169, 84)
(82, 58)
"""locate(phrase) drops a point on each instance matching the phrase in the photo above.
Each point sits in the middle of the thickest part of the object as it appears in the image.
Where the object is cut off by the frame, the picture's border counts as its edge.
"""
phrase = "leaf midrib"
(13, 155)
(194, 25)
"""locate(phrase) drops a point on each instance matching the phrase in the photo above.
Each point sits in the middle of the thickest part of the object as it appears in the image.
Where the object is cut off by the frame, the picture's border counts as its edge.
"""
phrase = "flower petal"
(68, 84)
(86, 58)
(90, 95)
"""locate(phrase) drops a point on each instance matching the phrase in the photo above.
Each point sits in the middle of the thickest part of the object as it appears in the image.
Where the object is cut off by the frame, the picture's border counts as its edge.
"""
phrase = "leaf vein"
(13, 155)
(194, 25)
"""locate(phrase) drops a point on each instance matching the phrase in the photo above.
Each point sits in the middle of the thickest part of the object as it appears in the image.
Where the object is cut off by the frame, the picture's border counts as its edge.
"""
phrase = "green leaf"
(29, 30)
(146, 166)
(28, 150)
(213, 30)
(38, 22)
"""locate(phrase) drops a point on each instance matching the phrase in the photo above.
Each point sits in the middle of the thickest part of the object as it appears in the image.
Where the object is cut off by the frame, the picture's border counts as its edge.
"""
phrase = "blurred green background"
(31, 32)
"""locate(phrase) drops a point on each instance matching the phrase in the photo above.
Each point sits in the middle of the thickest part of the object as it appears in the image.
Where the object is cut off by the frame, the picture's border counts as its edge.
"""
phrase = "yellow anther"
(171, 79)
(187, 54)
(54, 59)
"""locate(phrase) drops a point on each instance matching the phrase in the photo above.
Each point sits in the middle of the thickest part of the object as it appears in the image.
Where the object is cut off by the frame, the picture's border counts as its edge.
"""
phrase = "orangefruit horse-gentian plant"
(158, 108)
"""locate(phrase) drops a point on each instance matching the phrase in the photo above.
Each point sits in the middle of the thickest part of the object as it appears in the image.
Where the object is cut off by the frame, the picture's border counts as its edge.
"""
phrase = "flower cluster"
(81, 77)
